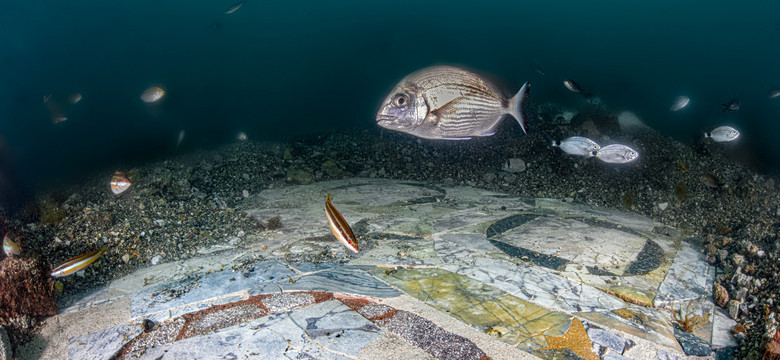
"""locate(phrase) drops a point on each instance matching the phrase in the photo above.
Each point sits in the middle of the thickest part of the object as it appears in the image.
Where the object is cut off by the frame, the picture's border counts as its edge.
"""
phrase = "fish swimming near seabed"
(77, 263)
(722, 133)
(616, 154)
(773, 93)
(10, 247)
(577, 145)
(575, 87)
(120, 182)
(710, 180)
(449, 103)
(339, 226)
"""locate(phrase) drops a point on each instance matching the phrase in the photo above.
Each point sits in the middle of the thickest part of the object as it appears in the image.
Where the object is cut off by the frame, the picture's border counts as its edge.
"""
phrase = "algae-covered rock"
(332, 169)
(301, 177)
(25, 289)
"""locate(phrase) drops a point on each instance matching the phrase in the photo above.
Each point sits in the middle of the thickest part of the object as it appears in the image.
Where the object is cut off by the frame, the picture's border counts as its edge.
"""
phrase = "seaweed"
(688, 322)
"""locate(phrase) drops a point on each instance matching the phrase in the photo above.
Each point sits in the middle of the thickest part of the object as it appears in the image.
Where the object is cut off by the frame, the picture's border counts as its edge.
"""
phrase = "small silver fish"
(616, 154)
(152, 94)
(775, 92)
(732, 105)
(723, 133)
(577, 145)
(180, 138)
(233, 8)
(679, 103)
(448, 103)
(572, 85)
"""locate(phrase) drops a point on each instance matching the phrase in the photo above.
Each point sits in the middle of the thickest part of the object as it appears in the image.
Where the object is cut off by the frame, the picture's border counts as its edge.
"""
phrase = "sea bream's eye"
(400, 100)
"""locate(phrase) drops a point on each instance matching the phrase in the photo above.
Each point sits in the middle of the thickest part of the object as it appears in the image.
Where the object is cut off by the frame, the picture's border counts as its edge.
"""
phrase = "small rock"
(721, 295)
(126, 258)
(245, 194)
(241, 233)
(488, 178)
(332, 169)
(156, 259)
(159, 222)
(448, 181)
(738, 259)
(733, 308)
(663, 206)
(301, 177)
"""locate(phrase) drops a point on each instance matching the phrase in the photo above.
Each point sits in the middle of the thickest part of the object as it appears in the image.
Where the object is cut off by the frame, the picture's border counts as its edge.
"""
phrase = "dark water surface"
(276, 69)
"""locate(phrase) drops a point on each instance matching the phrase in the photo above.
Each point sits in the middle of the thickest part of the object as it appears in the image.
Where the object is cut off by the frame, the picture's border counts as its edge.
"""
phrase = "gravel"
(182, 205)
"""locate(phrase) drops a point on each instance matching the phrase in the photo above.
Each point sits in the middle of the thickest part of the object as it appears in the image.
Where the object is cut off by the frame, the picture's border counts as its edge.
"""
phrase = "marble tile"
(576, 242)
(396, 250)
(198, 288)
(537, 285)
(650, 324)
(102, 344)
(691, 344)
(459, 219)
(689, 278)
(458, 247)
(608, 339)
(343, 279)
(721, 332)
(327, 330)
(335, 326)
(509, 318)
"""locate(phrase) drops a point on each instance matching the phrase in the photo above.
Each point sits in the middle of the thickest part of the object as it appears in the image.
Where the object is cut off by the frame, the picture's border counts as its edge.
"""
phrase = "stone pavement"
(442, 273)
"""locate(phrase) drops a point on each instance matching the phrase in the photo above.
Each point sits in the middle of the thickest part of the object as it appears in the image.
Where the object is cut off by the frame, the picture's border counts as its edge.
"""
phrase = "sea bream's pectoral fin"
(517, 106)
(444, 110)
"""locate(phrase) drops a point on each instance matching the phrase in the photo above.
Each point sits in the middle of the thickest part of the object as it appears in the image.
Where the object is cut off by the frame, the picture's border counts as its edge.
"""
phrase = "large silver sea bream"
(444, 102)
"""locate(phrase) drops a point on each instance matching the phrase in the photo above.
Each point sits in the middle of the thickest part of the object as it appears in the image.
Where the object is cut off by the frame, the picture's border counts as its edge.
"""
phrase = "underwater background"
(276, 69)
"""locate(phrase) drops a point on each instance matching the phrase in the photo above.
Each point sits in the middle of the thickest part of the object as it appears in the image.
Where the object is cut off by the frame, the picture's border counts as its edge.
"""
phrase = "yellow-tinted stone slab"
(493, 311)
(651, 324)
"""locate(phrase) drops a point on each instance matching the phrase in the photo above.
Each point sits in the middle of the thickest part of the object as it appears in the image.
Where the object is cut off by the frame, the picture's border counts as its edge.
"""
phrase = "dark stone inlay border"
(508, 223)
(548, 261)
(648, 259)
(691, 344)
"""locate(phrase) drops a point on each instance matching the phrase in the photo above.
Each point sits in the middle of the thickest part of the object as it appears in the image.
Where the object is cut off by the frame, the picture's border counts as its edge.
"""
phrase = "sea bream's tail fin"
(517, 106)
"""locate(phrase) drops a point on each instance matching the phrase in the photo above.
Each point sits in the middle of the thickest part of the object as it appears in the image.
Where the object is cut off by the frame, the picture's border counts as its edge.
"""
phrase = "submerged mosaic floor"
(443, 273)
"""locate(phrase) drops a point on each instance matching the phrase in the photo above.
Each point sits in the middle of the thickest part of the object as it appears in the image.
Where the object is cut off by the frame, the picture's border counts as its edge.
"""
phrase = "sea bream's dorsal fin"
(516, 106)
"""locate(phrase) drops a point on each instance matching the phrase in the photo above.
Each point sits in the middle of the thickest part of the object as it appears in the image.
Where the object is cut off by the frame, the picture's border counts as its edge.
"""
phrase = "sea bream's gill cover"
(445, 102)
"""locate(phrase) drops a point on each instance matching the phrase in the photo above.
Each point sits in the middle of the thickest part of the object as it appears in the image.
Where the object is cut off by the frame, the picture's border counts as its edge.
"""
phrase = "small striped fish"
(10, 247)
(77, 263)
(339, 226)
(448, 103)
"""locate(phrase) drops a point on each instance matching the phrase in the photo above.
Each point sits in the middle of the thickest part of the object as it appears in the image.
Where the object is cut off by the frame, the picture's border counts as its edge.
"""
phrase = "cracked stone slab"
(537, 285)
(689, 278)
(328, 330)
(201, 288)
(102, 344)
(343, 279)
(576, 241)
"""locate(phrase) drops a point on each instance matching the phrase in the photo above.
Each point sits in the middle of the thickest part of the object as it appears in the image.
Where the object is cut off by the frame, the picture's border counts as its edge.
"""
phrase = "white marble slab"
(329, 330)
(102, 345)
(689, 278)
(537, 285)
(199, 288)
(343, 279)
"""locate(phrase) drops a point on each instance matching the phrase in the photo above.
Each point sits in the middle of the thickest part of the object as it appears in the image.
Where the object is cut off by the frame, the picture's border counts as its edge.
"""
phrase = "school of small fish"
(582, 146)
